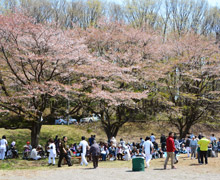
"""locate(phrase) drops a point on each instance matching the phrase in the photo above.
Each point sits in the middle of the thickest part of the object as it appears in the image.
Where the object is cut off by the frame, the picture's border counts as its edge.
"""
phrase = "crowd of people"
(170, 147)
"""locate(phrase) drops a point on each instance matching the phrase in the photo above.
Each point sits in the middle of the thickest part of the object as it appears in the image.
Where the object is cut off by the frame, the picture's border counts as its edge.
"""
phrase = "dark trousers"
(163, 145)
(199, 158)
(61, 158)
(120, 156)
(103, 157)
(204, 154)
(95, 160)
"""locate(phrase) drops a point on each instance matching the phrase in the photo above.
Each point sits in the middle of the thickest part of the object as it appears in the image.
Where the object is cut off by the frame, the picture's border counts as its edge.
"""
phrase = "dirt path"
(66, 173)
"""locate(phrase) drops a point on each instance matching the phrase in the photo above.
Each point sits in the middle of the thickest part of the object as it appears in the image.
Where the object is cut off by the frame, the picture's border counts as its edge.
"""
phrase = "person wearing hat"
(203, 144)
(3, 147)
(64, 152)
(27, 150)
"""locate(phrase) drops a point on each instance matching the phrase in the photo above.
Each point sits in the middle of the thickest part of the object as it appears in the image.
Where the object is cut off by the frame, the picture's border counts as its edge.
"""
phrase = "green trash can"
(138, 164)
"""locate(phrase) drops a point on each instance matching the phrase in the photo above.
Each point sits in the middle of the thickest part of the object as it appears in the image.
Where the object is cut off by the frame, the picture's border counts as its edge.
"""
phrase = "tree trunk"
(35, 133)
(184, 131)
(111, 131)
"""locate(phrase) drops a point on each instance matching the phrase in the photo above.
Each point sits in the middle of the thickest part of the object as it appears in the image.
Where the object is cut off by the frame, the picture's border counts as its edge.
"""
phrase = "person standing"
(212, 138)
(177, 146)
(170, 151)
(203, 143)
(3, 147)
(63, 152)
(95, 152)
(163, 142)
(193, 145)
(148, 149)
(84, 146)
(152, 138)
(52, 152)
(187, 145)
(91, 139)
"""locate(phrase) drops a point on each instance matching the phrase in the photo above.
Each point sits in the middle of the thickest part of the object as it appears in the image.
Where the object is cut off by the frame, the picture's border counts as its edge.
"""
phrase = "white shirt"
(33, 154)
(152, 138)
(52, 149)
(3, 143)
(147, 144)
(83, 144)
(213, 138)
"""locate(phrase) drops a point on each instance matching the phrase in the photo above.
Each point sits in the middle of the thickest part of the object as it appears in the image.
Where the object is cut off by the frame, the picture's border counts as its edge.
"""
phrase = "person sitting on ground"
(27, 150)
(73, 149)
(40, 151)
(160, 153)
(112, 152)
(113, 141)
(119, 152)
(34, 154)
(103, 150)
(137, 153)
(127, 155)
(122, 142)
(182, 149)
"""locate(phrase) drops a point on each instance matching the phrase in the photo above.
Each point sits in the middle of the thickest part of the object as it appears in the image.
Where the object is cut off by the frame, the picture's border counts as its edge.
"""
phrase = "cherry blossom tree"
(37, 63)
(190, 85)
(124, 72)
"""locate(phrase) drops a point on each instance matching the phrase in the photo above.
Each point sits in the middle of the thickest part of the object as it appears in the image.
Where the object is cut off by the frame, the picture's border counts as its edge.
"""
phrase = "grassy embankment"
(131, 132)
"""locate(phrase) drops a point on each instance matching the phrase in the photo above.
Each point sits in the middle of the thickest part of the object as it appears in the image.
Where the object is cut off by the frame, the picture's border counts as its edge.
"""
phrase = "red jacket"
(170, 144)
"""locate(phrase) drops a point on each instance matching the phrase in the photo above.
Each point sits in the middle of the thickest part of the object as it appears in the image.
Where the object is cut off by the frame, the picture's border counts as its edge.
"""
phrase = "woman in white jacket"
(3, 147)
(52, 150)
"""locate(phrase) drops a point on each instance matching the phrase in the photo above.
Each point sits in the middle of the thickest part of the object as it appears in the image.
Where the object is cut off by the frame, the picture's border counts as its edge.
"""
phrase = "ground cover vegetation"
(136, 61)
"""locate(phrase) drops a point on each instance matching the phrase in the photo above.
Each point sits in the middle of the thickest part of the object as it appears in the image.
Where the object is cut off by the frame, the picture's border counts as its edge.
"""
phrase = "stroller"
(12, 152)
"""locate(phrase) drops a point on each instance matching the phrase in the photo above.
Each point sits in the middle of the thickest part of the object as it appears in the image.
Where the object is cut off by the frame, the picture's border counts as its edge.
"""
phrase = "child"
(52, 152)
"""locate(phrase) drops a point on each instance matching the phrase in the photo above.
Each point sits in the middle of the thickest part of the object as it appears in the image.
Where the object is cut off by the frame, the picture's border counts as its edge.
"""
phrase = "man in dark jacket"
(63, 152)
(163, 142)
(95, 152)
(170, 151)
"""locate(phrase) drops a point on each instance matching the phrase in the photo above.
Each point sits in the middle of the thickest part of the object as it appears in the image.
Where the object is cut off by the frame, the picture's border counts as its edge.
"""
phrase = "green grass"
(130, 132)
(73, 132)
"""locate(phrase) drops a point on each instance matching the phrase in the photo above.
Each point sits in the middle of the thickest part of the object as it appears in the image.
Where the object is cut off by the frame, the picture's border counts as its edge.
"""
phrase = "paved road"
(66, 173)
